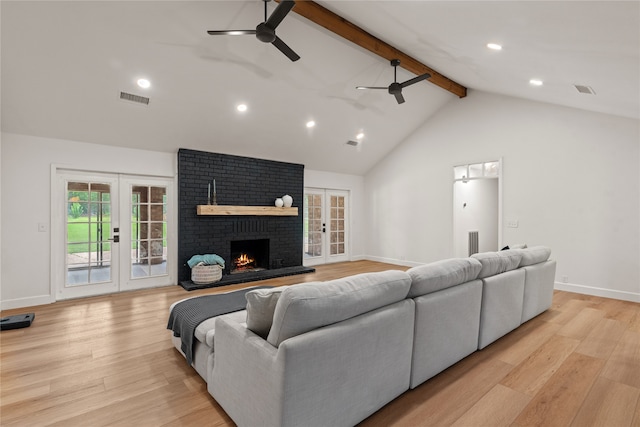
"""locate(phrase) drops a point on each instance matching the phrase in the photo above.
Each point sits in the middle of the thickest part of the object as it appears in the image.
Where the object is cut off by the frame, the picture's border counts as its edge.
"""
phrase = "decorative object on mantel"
(279, 202)
(288, 200)
(209, 200)
(246, 210)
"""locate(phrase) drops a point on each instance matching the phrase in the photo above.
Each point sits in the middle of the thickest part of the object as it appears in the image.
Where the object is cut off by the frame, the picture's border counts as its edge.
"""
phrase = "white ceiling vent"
(585, 89)
(134, 98)
(353, 143)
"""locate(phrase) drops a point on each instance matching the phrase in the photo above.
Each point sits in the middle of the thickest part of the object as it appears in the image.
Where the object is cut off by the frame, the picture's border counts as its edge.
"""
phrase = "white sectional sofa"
(333, 353)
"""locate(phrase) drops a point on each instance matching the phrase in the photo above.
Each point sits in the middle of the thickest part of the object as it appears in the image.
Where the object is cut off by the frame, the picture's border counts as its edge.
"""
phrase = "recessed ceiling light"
(144, 83)
(242, 108)
(535, 82)
(494, 46)
(311, 124)
(360, 135)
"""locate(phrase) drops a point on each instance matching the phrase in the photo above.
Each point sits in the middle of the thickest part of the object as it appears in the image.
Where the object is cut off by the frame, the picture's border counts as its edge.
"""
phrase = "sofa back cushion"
(308, 306)
(261, 304)
(442, 274)
(497, 262)
(533, 255)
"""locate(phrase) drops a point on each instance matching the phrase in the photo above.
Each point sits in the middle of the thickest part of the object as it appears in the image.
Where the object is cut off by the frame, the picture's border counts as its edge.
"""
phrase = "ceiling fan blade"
(415, 80)
(231, 32)
(282, 46)
(371, 87)
(279, 13)
(399, 97)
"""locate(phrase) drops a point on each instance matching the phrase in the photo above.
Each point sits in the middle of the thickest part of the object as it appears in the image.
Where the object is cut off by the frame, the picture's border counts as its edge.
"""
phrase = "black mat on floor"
(232, 279)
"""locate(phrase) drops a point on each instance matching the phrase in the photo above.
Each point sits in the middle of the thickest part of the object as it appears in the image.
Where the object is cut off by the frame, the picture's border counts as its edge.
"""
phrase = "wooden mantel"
(246, 210)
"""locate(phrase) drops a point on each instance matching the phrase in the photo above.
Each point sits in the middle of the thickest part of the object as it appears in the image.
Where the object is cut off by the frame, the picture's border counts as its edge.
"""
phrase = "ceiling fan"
(266, 31)
(395, 88)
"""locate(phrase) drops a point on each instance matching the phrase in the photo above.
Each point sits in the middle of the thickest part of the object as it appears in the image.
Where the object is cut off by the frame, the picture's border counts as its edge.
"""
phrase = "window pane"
(491, 169)
(460, 172)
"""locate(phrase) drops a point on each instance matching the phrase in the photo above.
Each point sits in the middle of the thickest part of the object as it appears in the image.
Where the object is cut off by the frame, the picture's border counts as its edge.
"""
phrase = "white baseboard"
(393, 261)
(358, 258)
(598, 292)
(26, 302)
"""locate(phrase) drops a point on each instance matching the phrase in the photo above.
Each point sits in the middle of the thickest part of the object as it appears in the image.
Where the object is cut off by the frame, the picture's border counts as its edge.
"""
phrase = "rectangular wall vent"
(134, 98)
(585, 89)
(352, 143)
(473, 242)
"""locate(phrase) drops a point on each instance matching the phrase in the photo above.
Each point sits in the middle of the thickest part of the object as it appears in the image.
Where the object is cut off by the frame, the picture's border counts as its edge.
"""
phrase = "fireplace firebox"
(249, 255)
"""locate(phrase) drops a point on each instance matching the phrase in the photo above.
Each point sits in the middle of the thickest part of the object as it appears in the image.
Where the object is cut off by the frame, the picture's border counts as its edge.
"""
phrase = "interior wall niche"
(240, 181)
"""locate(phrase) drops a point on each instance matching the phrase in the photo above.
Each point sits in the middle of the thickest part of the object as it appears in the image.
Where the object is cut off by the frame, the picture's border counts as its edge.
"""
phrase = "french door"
(326, 226)
(110, 233)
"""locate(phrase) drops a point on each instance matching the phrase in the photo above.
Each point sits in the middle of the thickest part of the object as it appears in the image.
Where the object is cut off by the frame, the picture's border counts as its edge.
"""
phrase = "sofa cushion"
(497, 262)
(207, 329)
(261, 303)
(309, 306)
(534, 255)
(442, 274)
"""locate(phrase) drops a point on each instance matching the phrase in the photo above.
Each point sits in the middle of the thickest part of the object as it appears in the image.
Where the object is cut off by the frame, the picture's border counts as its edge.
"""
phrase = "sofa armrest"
(246, 379)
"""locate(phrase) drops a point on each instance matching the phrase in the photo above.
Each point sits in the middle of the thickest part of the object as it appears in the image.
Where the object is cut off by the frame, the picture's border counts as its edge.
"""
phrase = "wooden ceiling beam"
(349, 31)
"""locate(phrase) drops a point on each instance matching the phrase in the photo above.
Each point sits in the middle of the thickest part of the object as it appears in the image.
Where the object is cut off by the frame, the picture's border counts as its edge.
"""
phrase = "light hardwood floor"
(109, 361)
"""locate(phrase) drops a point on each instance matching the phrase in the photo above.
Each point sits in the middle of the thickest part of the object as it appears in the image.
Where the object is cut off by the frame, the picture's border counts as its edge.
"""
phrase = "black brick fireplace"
(239, 181)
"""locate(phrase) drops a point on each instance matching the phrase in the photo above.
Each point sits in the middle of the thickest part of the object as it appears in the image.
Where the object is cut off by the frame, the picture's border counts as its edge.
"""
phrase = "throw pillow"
(261, 303)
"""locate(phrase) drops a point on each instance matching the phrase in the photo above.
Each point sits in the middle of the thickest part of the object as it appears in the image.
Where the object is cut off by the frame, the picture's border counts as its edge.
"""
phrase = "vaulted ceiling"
(64, 65)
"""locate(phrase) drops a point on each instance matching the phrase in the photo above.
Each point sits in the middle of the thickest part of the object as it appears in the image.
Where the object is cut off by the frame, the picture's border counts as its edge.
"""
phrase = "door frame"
(326, 257)
(56, 199)
(456, 226)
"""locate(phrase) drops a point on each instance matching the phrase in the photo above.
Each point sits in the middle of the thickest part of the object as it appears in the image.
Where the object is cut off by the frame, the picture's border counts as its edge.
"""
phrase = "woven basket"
(205, 274)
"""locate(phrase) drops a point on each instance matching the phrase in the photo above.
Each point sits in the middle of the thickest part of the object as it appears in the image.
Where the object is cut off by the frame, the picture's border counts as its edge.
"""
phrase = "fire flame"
(244, 260)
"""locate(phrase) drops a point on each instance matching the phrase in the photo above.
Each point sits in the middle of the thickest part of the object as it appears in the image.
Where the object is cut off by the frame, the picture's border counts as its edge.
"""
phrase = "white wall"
(358, 217)
(26, 201)
(570, 178)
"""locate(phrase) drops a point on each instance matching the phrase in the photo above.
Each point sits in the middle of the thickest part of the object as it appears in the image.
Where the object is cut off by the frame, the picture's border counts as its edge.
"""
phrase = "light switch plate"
(512, 224)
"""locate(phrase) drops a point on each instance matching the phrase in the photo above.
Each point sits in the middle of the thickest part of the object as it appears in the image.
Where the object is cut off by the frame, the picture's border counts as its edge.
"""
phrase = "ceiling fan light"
(360, 87)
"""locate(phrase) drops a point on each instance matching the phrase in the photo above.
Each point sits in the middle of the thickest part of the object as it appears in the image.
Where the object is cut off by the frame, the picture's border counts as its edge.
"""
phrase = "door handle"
(115, 239)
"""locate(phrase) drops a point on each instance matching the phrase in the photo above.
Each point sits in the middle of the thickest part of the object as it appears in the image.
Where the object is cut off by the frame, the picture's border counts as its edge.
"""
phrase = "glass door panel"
(149, 231)
(313, 224)
(336, 232)
(148, 211)
(88, 225)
